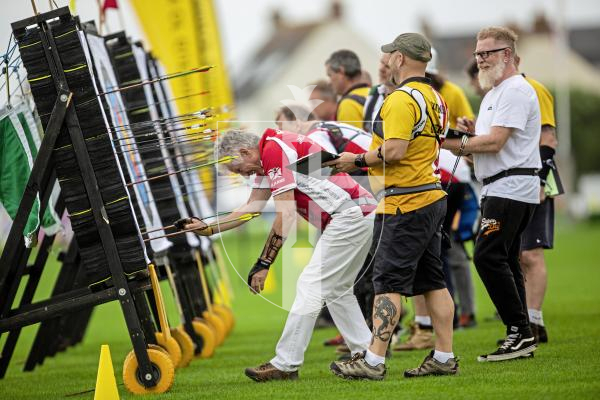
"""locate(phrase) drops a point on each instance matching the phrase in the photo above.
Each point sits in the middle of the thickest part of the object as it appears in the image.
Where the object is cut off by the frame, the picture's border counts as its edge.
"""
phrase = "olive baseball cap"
(413, 45)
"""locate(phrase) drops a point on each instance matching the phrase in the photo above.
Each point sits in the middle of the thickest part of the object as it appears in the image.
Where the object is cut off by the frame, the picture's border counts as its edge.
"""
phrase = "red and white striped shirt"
(357, 140)
(317, 197)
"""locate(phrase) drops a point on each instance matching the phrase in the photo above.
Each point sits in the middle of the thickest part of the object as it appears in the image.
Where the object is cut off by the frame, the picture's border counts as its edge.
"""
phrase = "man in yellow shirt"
(421, 336)
(539, 233)
(345, 74)
(407, 232)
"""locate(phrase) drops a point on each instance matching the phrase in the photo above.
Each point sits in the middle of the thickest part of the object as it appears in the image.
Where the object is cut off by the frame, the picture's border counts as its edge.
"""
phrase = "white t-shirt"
(512, 104)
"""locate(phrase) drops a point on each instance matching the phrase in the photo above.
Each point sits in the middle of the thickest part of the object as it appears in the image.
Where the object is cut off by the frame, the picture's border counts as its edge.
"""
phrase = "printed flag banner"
(19, 142)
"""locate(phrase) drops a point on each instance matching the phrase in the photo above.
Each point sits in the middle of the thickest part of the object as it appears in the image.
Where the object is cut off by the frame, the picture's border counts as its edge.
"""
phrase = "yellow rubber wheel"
(226, 315)
(159, 348)
(202, 329)
(162, 369)
(229, 312)
(171, 346)
(185, 344)
(222, 316)
(217, 324)
(231, 315)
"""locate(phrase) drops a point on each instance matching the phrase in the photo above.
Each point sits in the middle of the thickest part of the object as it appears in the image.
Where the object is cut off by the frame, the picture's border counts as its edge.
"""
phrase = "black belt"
(510, 172)
(396, 191)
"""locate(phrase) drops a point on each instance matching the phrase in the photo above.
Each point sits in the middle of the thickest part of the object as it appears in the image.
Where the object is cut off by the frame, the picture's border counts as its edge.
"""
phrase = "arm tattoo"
(272, 247)
(387, 313)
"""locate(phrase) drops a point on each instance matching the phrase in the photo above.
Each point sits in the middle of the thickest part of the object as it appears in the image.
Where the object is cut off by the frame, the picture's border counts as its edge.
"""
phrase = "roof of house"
(270, 58)
(585, 42)
(456, 51)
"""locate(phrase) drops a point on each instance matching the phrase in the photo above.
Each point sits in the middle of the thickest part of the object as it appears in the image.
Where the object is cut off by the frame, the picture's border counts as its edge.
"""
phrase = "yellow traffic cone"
(106, 384)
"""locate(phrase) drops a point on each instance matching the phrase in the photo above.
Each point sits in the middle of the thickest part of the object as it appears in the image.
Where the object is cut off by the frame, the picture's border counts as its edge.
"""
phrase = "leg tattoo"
(386, 312)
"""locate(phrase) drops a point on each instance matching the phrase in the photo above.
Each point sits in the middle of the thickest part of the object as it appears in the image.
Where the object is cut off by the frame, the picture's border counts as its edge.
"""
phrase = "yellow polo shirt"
(400, 113)
(546, 102)
(457, 102)
(349, 110)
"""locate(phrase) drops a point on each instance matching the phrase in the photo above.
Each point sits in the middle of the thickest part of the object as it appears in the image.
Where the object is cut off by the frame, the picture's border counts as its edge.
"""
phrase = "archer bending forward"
(337, 205)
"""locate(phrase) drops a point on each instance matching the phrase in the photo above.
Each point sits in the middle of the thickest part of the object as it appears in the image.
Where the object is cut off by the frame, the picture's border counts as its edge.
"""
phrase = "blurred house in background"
(538, 50)
(295, 54)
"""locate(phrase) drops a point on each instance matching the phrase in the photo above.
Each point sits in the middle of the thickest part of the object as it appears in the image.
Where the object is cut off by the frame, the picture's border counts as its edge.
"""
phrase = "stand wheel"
(171, 346)
(217, 324)
(185, 344)
(159, 348)
(226, 314)
(162, 369)
(207, 334)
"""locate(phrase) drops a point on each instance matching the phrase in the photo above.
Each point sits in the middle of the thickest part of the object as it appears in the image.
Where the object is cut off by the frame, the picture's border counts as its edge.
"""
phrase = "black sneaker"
(539, 331)
(515, 345)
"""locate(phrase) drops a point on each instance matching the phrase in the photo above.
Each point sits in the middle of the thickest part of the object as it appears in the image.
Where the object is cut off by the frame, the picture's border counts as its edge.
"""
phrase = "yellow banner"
(210, 51)
(184, 34)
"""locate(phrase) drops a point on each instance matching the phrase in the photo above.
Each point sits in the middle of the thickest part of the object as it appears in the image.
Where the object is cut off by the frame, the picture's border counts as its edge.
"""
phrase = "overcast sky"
(246, 23)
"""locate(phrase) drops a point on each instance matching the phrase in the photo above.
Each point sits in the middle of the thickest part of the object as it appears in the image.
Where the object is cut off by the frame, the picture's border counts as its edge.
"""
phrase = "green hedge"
(585, 131)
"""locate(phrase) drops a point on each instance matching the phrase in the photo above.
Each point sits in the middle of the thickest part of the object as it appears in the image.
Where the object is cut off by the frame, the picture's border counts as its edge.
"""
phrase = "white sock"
(423, 320)
(535, 316)
(373, 359)
(442, 357)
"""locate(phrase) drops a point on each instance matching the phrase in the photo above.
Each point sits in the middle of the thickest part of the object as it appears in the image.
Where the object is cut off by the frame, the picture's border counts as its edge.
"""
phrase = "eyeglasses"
(485, 54)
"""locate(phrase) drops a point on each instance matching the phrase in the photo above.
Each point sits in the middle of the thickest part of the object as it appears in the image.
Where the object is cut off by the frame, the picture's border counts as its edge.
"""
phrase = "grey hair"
(347, 59)
(230, 143)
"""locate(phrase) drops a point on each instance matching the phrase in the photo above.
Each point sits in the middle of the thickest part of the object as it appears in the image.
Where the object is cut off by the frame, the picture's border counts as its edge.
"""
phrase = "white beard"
(488, 77)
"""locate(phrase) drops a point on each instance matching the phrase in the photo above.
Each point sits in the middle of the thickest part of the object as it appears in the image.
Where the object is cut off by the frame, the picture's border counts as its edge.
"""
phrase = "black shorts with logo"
(540, 231)
(407, 251)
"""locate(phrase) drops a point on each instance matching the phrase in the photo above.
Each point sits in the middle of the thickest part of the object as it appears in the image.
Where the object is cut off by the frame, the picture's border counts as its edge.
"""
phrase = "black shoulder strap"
(378, 124)
(417, 131)
(358, 98)
(368, 111)
(335, 136)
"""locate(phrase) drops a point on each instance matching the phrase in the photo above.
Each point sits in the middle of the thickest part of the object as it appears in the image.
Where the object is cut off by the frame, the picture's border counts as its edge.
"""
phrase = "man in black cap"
(407, 232)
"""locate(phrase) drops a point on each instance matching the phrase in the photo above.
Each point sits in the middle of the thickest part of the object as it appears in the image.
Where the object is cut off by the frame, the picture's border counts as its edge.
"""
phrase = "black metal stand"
(14, 257)
(185, 271)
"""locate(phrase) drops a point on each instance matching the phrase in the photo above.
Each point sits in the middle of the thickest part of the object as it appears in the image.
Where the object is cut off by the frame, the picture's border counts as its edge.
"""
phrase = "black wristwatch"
(360, 161)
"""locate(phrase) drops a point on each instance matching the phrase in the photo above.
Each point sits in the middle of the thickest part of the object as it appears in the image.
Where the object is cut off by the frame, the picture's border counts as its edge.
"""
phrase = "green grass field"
(568, 366)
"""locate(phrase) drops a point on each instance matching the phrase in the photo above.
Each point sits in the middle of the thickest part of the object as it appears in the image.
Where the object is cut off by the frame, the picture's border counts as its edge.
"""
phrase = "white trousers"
(329, 277)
